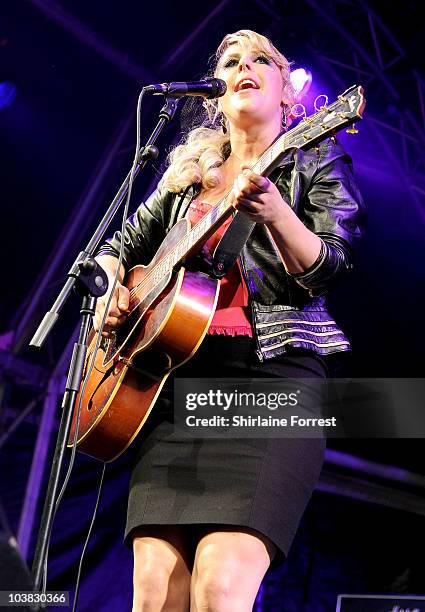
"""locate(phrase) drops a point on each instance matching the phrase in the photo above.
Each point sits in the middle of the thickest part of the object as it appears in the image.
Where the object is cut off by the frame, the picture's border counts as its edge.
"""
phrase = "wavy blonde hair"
(200, 156)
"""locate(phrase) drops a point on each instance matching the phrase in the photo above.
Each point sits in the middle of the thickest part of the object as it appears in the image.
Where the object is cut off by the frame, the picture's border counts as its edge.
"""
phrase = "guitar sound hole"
(104, 377)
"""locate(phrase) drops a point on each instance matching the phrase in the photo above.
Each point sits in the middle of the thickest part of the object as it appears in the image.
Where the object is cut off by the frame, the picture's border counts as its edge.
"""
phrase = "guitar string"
(291, 134)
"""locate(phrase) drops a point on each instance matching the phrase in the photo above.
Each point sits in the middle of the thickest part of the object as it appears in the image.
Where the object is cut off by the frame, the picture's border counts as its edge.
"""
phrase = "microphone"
(208, 88)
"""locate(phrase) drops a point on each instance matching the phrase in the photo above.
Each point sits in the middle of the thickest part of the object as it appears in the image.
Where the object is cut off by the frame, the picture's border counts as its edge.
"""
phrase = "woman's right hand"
(118, 309)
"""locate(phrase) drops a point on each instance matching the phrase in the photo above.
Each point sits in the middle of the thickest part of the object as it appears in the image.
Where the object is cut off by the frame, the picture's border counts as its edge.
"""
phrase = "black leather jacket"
(288, 310)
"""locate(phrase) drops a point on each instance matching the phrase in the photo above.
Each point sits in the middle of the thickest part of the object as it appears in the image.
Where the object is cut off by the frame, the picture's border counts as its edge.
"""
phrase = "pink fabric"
(231, 317)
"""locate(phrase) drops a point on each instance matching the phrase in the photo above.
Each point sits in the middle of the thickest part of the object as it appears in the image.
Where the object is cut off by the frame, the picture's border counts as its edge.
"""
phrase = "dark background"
(77, 68)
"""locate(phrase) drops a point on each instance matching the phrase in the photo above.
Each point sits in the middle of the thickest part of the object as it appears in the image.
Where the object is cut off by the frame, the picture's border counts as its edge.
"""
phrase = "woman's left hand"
(258, 198)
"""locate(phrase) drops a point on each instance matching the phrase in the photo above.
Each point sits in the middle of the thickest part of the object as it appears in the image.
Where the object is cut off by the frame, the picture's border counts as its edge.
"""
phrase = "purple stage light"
(8, 93)
(301, 79)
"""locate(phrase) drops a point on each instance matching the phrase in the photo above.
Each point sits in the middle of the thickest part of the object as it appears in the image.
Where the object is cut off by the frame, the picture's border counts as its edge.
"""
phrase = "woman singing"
(207, 517)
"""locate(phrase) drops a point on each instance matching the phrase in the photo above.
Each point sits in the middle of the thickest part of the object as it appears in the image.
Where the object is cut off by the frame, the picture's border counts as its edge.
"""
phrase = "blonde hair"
(199, 157)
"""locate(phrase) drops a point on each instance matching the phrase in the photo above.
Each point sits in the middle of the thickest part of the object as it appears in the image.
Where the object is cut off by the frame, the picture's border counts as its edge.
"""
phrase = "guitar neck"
(347, 109)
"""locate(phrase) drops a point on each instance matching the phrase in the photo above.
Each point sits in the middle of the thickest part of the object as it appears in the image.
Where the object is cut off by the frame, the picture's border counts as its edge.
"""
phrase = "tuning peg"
(352, 129)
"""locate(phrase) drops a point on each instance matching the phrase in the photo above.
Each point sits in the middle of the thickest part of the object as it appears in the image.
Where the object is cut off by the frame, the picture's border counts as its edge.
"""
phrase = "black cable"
(80, 565)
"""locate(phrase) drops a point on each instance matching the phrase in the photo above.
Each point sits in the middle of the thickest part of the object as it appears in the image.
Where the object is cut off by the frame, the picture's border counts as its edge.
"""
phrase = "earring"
(223, 124)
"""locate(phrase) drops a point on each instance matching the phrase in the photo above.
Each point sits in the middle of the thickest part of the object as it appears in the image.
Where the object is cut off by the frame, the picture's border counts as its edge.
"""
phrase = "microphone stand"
(87, 276)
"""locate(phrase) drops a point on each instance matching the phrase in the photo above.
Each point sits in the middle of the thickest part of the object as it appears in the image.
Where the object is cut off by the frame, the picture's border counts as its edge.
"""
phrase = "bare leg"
(229, 567)
(161, 570)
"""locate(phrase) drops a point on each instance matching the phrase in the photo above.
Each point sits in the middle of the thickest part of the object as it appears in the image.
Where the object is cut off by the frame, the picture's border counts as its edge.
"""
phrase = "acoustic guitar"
(171, 308)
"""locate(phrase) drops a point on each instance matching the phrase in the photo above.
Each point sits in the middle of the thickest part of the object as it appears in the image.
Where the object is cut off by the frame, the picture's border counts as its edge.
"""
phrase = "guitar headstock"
(346, 110)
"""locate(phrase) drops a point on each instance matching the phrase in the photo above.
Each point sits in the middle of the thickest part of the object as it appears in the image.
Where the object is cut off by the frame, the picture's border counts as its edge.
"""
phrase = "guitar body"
(130, 372)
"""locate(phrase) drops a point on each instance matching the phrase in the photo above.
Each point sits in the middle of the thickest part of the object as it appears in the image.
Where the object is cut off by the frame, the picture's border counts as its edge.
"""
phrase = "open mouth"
(246, 84)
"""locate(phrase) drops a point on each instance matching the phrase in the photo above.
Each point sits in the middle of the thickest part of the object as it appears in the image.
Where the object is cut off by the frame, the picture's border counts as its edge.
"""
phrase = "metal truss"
(371, 55)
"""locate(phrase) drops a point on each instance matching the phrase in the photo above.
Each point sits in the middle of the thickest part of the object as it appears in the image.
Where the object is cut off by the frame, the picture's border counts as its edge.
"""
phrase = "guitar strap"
(231, 244)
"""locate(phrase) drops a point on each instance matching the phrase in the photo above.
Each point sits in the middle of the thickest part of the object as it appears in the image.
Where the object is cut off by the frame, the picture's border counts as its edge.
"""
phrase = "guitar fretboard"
(344, 111)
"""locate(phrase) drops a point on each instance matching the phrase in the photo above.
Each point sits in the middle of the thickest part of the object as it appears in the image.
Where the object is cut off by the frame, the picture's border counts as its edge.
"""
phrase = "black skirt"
(263, 484)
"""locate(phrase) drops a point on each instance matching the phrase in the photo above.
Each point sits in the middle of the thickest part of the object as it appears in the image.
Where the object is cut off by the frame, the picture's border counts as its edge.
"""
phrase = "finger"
(114, 311)
(251, 197)
(245, 187)
(123, 298)
(96, 322)
(250, 203)
(122, 319)
(246, 206)
(243, 190)
(112, 322)
(262, 183)
(120, 301)
(108, 334)
(98, 315)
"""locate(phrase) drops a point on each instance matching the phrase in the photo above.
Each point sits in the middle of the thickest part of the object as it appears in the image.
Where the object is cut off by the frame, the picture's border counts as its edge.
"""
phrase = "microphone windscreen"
(218, 89)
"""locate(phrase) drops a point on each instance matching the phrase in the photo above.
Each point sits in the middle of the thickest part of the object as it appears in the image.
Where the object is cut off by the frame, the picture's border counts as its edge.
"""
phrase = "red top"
(231, 317)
